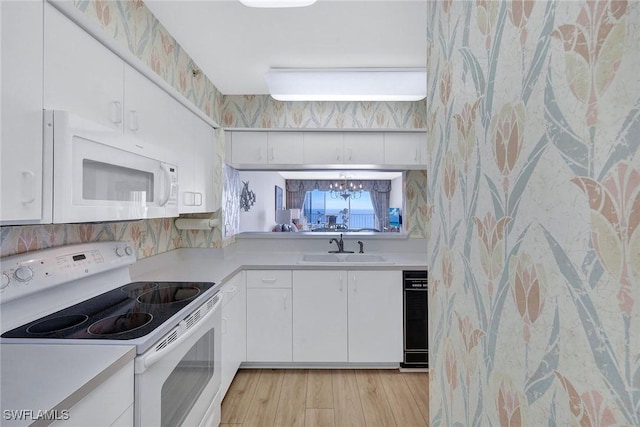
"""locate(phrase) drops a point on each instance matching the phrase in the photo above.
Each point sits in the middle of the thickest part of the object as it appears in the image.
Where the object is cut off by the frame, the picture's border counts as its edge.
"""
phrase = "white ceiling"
(235, 45)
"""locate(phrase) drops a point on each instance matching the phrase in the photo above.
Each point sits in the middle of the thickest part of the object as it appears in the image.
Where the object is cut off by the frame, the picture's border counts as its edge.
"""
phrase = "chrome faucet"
(361, 251)
(340, 244)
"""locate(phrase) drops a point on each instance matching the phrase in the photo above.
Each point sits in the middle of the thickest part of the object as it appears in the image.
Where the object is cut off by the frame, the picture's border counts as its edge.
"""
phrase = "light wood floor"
(323, 397)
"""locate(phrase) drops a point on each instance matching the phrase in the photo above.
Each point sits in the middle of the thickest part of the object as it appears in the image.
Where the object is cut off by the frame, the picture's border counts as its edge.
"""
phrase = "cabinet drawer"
(269, 279)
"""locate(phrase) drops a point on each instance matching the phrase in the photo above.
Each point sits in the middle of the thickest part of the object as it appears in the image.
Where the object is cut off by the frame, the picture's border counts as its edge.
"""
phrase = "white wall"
(261, 216)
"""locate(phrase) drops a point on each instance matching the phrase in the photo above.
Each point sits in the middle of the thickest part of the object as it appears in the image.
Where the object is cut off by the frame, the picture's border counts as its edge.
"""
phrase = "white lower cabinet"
(347, 316)
(269, 316)
(113, 400)
(320, 316)
(375, 316)
(234, 328)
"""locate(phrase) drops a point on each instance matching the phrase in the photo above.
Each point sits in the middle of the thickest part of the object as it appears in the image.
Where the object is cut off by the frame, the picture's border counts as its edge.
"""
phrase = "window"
(323, 211)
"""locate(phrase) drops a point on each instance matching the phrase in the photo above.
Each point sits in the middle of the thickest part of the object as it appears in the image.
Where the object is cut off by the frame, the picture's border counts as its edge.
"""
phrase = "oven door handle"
(145, 361)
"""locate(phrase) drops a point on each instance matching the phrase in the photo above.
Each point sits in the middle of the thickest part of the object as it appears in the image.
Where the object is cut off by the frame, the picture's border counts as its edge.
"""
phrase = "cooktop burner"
(129, 312)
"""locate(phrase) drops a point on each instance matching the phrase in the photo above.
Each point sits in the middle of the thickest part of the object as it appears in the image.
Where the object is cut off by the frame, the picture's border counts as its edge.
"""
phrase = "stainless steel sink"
(342, 259)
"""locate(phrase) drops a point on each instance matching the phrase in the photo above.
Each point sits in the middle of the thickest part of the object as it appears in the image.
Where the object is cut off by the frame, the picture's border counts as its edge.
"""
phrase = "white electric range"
(82, 294)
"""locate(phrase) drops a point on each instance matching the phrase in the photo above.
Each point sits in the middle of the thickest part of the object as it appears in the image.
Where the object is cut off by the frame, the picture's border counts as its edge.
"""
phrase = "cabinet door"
(269, 315)
(285, 148)
(185, 155)
(323, 148)
(234, 339)
(111, 400)
(364, 148)
(249, 148)
(375, 316)
(152, 116)
(204, 161)
(403, 148)
(319, 316)
(80, 74)
(21, 119)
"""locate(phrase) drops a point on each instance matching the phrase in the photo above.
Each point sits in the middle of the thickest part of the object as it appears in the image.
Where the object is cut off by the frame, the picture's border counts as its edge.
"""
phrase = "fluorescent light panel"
(277, 3)
(371, 84)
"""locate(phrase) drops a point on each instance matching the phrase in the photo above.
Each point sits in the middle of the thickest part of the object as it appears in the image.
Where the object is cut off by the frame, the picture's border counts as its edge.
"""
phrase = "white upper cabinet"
(323, 148)
(403, 148)
(260, 149)
(21, 120)
(363, 148)
(265, 148)
(207, 200)
(151, 115)
(249, 148)
(195, 140)
(80, 74)
(284, 148)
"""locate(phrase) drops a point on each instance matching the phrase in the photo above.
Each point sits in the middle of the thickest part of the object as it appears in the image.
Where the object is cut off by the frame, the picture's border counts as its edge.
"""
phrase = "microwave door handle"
(145, 361)
(167, 185)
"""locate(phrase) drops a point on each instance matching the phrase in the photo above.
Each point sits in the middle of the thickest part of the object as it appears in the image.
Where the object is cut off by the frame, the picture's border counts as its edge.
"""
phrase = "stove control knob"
(119, 251)
(23, 274)
(5, 281)
(128, 250)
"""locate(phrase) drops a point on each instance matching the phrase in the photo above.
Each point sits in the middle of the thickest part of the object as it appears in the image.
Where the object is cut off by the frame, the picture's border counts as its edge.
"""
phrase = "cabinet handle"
(198, 199)
(115, 112)
(340, 284)
(268, 280)
(224, 325)
(417, 155)
(260, 153)
(27, 178)
(271, 157)
(337, 154)
(355, 284)
(284, 300)
(133, 120)
(350, 153)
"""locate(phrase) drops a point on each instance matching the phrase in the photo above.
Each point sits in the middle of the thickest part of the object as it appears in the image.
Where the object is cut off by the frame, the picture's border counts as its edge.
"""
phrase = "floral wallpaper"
(262, 111)
(148, 237)
(534, 212)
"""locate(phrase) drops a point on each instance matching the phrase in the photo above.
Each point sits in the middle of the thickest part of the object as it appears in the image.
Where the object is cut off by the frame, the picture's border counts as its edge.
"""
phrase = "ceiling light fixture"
(347, 84)
(345, 189)
(277, 3)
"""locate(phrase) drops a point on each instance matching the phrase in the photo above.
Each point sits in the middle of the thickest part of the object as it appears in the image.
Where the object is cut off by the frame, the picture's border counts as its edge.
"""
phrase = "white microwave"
(100, 174)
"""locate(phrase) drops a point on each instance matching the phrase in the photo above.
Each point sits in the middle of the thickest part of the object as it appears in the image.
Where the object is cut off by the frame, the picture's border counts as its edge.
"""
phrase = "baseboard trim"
(313, 365)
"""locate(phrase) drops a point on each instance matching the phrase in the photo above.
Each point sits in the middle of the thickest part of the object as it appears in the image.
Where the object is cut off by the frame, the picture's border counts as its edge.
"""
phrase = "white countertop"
(54, 377)
(210, 265)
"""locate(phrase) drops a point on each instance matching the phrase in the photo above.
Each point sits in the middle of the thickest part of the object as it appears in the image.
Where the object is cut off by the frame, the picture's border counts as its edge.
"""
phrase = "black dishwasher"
(415, 290)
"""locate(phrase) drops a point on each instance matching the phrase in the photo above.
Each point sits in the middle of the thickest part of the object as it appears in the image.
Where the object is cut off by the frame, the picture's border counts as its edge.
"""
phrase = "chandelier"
(345, 189)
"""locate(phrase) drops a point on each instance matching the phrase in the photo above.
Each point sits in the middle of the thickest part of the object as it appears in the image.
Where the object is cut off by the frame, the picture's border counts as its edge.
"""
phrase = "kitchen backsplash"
(533, 118)
(148, 237)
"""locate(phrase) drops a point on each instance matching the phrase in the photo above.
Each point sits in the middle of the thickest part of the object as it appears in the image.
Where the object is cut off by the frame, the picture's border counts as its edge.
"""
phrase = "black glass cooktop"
(125, 313)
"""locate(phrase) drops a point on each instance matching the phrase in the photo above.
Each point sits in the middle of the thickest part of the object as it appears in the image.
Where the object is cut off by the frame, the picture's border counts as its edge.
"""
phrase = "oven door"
(177, 380)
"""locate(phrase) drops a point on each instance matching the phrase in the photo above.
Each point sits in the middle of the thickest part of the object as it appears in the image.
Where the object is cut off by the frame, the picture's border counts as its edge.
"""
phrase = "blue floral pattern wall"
(534, 212)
